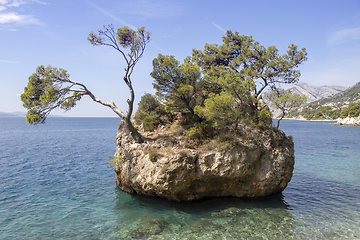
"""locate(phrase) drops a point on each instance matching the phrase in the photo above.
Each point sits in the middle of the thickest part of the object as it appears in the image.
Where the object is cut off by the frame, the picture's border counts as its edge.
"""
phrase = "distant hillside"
(350, 95)
(340, 105)
(314, 93)
(311, 92)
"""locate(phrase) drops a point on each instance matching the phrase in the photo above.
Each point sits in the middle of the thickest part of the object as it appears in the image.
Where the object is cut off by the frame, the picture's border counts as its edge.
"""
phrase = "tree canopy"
(285, 101)
(50, 88)
(223, 84)
(178, 82)
(250, 60)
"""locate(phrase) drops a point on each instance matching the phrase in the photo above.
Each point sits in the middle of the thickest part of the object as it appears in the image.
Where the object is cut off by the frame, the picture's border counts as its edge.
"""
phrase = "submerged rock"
(202, 226)
(259, 164)
(229, 212)
(149, 227)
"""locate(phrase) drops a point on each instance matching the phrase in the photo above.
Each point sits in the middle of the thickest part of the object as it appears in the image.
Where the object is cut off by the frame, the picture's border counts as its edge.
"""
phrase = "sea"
(56, 183)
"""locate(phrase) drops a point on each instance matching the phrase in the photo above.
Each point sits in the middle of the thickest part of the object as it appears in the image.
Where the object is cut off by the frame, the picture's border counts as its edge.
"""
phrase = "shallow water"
(56, 183)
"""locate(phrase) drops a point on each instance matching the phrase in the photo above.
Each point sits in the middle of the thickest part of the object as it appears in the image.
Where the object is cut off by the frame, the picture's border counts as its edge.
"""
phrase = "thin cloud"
(111, 15)
(18, 3)
(12, 17)
(218, 27)
(15, 3)
(8, 16)
(345, 35)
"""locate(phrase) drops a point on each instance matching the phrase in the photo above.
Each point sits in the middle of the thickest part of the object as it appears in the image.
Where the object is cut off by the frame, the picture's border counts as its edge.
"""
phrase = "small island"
(206, 132)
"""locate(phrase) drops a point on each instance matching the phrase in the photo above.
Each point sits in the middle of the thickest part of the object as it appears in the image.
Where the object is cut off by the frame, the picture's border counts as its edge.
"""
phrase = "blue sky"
(42, 32)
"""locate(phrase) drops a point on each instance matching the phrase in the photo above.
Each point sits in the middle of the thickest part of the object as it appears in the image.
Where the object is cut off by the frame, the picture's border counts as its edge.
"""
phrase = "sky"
(54, 32)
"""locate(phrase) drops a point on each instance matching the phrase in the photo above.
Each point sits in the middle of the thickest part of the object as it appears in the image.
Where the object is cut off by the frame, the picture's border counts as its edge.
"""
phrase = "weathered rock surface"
(261, 163)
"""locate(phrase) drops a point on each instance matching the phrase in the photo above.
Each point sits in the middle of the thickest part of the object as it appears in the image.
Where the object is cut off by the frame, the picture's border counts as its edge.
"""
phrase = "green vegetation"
(180, 83)
(225, 141)
(353, 110)
(219, 88)
(151, 113)
(153, 155)
(326, 112)
(113, 160)
(341, 105)
(285, 101)
(50, 88)
(213, 91)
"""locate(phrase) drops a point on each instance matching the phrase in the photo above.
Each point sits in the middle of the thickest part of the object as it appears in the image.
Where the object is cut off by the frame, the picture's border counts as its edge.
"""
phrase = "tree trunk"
(133, 132)
(278, 123)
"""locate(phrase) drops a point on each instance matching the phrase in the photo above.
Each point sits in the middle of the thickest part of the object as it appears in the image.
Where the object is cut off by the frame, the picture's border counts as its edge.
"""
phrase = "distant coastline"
(349, 121)
(19, 115)
(311, 120)
(12, 115)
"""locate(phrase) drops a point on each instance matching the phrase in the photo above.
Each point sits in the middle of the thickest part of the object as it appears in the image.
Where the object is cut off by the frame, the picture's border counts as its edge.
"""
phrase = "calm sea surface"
(56, 183)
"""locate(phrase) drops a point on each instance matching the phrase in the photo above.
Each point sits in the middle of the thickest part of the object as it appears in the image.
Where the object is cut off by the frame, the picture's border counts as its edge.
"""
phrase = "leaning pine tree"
(50, 88)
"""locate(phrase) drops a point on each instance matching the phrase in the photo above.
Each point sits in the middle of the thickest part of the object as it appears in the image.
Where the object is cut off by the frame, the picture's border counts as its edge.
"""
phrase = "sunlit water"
(56, 183)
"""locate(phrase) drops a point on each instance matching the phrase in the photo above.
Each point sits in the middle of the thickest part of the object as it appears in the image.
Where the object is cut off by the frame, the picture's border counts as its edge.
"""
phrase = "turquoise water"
(56, 183)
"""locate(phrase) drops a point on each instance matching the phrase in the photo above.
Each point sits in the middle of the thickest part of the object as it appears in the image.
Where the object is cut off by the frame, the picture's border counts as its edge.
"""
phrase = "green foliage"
(125, 37)
(314, 111)
(199, 131)
(219, 109)
(48, 88)
(153, 155)
(222, 83)
(225, 141)
(151, 113)
(264, 118)
(250, 60)
(285, 101)
(352, 110)
(178, 83)
(114, 160)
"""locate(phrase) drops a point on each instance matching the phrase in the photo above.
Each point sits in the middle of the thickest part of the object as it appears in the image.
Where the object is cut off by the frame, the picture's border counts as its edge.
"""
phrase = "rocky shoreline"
(349, 121)
(352, 121)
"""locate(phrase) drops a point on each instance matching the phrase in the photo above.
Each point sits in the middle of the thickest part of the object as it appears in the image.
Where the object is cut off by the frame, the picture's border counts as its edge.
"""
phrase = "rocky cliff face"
(314, 93)
(261, 163)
